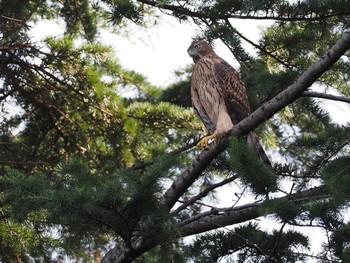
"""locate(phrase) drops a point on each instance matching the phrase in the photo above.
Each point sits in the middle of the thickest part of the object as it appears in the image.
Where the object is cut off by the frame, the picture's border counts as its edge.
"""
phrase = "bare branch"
(184, 148)
(325, 96)
(278, 240)
(12, 19)
(257, 46)
(203, 194)
(223, 217)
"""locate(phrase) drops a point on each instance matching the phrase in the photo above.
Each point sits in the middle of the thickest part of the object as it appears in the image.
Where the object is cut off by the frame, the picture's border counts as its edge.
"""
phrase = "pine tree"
(121, 177)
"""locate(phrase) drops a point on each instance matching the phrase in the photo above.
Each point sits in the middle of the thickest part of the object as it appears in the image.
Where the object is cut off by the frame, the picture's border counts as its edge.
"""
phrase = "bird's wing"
(201, 112)
(201, 106)
(233, 90)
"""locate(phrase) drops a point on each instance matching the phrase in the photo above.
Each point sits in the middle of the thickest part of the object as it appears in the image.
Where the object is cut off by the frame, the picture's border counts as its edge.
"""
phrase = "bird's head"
(198, 49)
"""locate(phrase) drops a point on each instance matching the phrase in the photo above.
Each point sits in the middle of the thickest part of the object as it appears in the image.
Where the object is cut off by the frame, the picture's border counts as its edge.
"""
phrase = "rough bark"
(234, 215)
(223, 217)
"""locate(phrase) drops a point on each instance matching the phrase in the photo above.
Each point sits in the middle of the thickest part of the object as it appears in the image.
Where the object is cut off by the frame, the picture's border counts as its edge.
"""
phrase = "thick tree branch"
(218, 219)
(212, 220)
(186, 179)
(234, 215)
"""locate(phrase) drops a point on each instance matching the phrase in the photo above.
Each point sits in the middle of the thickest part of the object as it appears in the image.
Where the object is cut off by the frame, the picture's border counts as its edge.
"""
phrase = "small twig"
(12, 19)
(203, 194)
(277, 241)
(184, 148)
(259, 47)
(291, 191)
(239, 196)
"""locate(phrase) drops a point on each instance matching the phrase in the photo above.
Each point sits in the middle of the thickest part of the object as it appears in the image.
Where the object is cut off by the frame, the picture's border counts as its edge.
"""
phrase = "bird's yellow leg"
(203, 144)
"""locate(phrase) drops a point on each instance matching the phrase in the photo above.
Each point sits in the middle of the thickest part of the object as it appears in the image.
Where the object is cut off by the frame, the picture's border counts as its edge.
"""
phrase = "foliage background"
(86, 162)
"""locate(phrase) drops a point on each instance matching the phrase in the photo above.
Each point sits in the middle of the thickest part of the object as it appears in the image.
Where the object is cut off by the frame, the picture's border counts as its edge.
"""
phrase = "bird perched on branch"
(219, 96)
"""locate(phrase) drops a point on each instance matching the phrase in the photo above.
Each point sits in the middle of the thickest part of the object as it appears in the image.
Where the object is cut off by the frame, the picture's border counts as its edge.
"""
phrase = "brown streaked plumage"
(218, 94)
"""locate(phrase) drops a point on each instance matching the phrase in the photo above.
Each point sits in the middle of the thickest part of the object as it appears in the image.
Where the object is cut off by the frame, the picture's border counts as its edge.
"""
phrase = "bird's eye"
(197, 46)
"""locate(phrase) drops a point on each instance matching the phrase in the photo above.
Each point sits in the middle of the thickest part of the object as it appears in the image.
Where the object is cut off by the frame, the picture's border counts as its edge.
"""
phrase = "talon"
(204, 143)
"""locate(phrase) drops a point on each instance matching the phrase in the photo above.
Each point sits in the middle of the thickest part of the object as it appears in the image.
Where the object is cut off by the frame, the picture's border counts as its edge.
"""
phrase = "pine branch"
(325, 96)
(182, 149)
(248, 212)
(288, 17)
(257, 46)
(234, 215)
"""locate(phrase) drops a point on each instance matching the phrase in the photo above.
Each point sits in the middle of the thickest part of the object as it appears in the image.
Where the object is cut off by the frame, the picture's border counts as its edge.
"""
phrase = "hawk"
(218, 95)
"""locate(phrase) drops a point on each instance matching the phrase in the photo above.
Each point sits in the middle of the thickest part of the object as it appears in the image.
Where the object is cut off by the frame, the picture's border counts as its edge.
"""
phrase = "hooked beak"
(190, 52)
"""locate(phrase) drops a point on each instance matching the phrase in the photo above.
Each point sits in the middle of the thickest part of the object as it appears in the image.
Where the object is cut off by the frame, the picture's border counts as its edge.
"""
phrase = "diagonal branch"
(203, 194)
(259, 47)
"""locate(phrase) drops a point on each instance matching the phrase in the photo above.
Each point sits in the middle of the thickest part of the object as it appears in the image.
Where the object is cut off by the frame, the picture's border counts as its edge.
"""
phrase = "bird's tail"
(254, 143)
